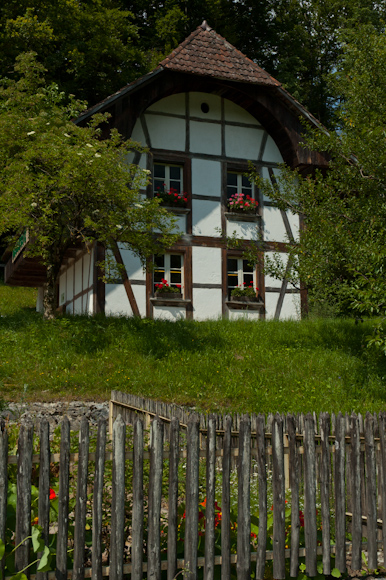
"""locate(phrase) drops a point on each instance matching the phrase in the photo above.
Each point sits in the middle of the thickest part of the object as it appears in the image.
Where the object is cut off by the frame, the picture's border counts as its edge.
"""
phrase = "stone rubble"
(54, 412)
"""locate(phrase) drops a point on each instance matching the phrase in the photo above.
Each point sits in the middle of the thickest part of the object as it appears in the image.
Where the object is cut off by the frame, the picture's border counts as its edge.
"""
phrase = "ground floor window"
(240, 274)
(169, 268)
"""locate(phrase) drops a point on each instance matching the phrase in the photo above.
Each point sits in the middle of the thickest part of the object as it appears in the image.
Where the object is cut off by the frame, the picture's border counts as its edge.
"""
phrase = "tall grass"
(318, 365)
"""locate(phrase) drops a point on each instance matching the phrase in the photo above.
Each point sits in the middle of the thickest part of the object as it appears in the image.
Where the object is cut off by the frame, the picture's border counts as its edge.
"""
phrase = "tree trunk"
(49, 295)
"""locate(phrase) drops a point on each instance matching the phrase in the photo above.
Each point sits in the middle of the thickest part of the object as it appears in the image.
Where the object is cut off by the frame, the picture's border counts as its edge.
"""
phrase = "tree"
(89, 48)
(65, 184)
(341, 256)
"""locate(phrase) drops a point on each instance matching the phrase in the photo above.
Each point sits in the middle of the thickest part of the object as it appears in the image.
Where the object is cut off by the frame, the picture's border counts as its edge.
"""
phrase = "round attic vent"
(205, 107)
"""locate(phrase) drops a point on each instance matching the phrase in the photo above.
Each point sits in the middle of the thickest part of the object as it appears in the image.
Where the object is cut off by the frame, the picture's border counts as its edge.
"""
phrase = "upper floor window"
(167, 177)
(240, 273)
(238, 183)
(169, 268)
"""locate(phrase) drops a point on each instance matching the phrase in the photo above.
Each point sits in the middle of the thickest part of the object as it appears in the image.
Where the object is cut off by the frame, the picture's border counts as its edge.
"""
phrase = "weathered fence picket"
(44, 487)
(98, 501)
(356, 555)
(382, 437)
(155, 497)
(243, 504)
(118, 501)
(226, 501)
(81, 501)
(310, 528)
(64, 489)
(340, 494)
(278, 498)
(3, 485)
(210, 499)
(325, 491)
(371, 492)
(294, 484)
(23, 505)
(192, 484)
(262, 476)
(138, 509)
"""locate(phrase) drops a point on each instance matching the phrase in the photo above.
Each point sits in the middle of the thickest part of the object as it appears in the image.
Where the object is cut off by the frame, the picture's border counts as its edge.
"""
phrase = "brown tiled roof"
(207, 53)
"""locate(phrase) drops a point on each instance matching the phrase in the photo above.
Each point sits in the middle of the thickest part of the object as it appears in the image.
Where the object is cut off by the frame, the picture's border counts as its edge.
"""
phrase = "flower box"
(168, 295)
(252, 211)
(244, 299)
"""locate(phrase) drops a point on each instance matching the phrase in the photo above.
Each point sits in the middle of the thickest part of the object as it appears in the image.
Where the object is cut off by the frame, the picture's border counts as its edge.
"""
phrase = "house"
(203, 113)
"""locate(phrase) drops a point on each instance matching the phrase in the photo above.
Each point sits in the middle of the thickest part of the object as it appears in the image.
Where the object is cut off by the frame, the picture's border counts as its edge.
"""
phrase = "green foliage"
(89, 48)
(66, 185)
(341, 257)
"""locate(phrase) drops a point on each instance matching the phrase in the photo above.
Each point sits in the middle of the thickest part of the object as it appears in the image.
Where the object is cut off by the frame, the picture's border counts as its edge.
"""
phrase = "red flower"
(301, 518)
(52, 494)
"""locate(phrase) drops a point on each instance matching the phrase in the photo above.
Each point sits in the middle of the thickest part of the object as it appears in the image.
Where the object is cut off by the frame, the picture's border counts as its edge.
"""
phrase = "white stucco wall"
(207, 303)
(206, 265)
(206, 177)
(242, 230)
(244, 314)
(243, 142)
(206, 218)
(169, 312)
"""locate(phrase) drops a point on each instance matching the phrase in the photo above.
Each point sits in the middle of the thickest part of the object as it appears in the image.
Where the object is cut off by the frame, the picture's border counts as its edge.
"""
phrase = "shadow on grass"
(88, 335)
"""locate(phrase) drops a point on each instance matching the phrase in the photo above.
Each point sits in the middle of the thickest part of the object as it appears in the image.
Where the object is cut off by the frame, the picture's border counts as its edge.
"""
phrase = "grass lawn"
(312, 365)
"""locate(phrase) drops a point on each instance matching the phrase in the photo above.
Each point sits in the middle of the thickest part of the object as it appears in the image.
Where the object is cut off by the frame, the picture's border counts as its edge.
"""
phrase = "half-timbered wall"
(208, 136)
(77, 286)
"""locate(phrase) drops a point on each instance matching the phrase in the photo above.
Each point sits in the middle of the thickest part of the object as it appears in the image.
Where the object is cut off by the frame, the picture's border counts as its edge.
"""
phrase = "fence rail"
(337, 483)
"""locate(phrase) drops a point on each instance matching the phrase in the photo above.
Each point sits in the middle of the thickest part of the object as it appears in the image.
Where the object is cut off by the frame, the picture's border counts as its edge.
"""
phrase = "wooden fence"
(340, 476)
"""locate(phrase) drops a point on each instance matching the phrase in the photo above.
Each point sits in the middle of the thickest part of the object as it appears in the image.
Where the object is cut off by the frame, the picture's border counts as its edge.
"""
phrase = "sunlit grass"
(216, 365)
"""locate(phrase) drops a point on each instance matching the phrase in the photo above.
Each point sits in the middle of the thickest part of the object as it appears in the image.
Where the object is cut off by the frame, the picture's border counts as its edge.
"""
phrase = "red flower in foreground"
(52, 494)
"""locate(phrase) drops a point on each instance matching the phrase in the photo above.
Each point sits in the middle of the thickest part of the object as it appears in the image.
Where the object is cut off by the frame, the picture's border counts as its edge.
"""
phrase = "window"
(167, 177)
(240, 273)
(238, 183)
(168, 267)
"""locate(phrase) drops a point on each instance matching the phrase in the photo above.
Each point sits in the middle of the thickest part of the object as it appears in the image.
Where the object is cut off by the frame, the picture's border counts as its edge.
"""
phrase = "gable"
(205, 124)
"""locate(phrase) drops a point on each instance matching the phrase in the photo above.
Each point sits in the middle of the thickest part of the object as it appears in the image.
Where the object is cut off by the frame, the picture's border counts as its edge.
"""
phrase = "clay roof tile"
(207, 53)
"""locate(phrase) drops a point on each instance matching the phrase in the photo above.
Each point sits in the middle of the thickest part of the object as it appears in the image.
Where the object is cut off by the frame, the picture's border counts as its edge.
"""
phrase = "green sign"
(20, 244)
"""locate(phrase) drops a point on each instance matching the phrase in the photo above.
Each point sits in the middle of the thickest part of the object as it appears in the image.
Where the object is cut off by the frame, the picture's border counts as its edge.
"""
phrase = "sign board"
(20, 244)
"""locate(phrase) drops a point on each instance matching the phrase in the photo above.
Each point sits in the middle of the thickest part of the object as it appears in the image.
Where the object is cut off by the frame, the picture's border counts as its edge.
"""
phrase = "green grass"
(312, 365)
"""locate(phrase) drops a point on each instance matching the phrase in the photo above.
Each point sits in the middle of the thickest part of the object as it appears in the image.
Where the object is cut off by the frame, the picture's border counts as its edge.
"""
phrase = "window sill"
(239, 305)
(177, 210)
(241, 217)
(170, 301)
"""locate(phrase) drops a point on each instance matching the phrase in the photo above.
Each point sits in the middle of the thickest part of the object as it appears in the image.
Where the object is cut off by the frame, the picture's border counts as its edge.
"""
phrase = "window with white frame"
(166, 178)
(169, 269)
(240, 274)
(238, 183)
